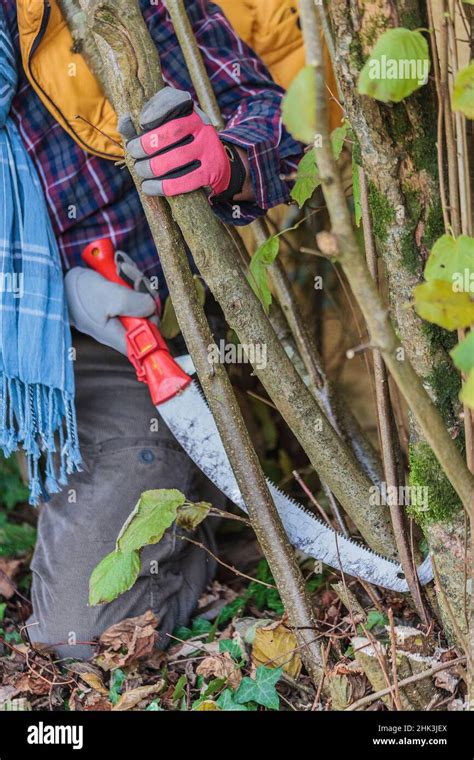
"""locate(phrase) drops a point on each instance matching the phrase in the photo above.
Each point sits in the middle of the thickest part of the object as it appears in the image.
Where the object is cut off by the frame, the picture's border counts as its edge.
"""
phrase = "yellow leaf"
(437, 302)
(276, 647)
(93, 680)
(208, 704)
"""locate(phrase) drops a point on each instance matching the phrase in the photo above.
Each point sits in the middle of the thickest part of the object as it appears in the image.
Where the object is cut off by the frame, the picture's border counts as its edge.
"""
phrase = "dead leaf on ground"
(192, 647)
(8, 570)
(127, 641)
(447, 681)
(7, 692)
(275, 647)
(89, 701)
(36, 683)
(132, 698)
(220, 666)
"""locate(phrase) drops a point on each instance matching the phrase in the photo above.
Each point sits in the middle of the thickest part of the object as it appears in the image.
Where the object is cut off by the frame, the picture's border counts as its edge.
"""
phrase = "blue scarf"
(36, 368)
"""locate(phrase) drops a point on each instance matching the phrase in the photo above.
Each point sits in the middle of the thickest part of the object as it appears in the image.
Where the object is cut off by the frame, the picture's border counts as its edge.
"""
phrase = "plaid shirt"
(101, 196)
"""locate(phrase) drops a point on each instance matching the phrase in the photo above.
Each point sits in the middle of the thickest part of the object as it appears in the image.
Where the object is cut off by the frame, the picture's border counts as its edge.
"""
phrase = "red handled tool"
(146, 348)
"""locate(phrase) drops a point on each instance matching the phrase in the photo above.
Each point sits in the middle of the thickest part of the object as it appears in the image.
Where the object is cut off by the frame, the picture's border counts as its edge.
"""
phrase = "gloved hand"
(95, 303)
(180, 151)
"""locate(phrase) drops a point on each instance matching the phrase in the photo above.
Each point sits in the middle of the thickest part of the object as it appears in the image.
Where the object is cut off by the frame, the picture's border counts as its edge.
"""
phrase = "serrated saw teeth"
(191, 422)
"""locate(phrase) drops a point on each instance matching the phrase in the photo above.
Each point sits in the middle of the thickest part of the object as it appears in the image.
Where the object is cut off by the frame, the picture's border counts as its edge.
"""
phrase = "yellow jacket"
(272, 29)
(49, 60)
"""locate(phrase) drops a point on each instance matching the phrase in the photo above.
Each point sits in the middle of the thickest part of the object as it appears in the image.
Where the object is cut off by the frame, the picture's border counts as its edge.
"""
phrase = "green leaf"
(467, 391)
(200, 626)
(263, 257)
(436, 302)
(356, 192)
(307, 179)
(228, 645)
(307, 175)
(375, 618)
(189, 515)
(3, 607)
(215, 685)
(231, 610)
(463, 91)
(114, 575)
(452, 260)
(463, 354)
(154, 513)
(226, 701)
(180, 689)
(262, 689)
(398, 65)
(14, 538)
(12, 489)
(299, 106)
(115, 690)
(338, 137)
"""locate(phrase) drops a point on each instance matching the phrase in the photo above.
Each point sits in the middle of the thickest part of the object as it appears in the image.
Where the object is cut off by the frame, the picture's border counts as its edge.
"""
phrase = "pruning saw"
(182, 406)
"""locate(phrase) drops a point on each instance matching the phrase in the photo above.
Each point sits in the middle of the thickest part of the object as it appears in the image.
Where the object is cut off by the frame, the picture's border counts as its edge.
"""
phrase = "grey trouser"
(123, 455)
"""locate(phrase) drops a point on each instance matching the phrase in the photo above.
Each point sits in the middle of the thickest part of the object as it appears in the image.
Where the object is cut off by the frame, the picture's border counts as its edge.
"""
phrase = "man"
(89, 197)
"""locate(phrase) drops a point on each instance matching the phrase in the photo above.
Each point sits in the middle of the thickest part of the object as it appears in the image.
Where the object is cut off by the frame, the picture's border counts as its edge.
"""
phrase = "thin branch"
(386, 425)
(405, 682)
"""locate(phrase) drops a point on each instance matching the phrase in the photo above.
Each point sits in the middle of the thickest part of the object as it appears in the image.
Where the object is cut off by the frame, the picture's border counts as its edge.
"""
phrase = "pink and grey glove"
(180, 151)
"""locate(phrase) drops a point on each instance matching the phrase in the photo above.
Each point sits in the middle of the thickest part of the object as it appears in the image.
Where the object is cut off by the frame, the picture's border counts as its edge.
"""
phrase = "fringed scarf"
(36, 368)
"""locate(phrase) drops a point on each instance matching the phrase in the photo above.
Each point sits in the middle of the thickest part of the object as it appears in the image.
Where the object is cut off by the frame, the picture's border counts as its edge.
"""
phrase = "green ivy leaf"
(467, 391)
(154, 513)
(452, 260)
(463, 354)
(117, 681)
(307, 175)
(189, 515)
(231, 646)
(299, 106)
(463, 91)
(263, 257)
(437, 302)
(114, 575)
(262, 689)
(398, 65)
(226, 701)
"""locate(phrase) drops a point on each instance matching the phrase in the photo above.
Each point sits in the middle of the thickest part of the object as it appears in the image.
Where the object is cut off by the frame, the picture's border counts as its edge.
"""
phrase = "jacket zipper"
(36, 43)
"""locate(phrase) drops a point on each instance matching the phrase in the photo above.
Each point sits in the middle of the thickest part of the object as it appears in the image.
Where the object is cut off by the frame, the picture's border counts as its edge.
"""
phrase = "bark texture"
(396, 144)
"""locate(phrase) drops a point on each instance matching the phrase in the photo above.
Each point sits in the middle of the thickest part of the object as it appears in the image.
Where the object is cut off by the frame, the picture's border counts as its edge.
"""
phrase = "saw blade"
(190, 420)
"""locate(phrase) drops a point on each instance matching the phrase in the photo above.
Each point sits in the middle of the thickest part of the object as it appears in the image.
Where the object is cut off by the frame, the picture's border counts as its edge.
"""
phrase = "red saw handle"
(146, 348)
